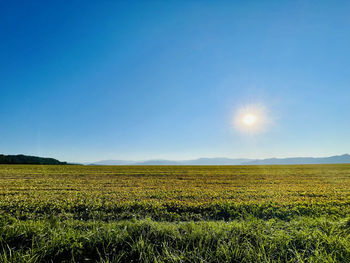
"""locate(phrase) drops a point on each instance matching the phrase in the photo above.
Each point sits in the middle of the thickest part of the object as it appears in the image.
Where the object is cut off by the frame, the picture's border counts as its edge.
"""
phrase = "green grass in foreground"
(303, 239)
(175, 214)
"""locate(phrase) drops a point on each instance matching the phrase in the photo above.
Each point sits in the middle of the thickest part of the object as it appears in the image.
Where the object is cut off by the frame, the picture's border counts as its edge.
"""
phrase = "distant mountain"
(227, 161)
(200, 161)
(158, 162)
(215, 161)
(25, 159)
(113, 162)
(302, 160)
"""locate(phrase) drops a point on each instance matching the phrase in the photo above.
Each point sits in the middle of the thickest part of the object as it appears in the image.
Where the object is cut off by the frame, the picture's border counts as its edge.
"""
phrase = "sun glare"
(251, 119)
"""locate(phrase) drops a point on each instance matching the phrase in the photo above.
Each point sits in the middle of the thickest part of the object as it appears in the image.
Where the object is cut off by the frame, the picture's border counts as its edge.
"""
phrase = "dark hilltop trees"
(25, 159)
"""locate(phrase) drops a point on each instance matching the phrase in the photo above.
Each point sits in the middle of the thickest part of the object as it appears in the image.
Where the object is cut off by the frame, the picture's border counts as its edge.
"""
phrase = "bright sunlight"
(251, 119)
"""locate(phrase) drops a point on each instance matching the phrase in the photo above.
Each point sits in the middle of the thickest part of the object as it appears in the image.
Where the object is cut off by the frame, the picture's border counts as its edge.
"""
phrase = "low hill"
(25, 159)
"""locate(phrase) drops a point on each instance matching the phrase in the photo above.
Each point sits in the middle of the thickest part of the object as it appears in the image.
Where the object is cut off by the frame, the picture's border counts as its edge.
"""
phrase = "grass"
(303, 239)
(175, 213)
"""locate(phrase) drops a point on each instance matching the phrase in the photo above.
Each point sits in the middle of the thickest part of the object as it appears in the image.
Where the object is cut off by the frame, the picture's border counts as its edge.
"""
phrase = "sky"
(86, 81)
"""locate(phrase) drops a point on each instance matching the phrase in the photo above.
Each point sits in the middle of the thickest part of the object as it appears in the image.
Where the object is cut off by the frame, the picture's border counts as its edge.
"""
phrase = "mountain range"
(227, 161)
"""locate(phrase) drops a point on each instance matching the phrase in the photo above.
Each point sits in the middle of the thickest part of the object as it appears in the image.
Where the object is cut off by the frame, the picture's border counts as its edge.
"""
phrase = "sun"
(249, 119)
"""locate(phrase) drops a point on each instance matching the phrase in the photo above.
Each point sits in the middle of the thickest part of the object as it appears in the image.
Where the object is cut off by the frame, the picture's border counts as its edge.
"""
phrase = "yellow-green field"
(174, 192)
(290, 208)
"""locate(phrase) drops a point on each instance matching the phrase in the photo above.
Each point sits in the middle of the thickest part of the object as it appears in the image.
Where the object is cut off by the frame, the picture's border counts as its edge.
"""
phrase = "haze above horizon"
(88, 81)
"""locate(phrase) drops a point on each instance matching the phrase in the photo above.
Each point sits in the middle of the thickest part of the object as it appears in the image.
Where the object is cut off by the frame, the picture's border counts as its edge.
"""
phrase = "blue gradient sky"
(92, 80)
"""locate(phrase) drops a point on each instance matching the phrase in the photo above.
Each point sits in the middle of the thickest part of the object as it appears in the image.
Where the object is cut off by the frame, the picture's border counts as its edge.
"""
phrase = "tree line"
(25, 159)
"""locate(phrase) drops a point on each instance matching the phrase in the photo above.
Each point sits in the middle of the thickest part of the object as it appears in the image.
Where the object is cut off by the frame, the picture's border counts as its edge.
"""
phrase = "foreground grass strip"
(303, 239)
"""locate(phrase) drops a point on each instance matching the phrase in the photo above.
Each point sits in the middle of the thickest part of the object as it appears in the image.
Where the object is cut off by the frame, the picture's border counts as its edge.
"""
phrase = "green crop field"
(73, 213)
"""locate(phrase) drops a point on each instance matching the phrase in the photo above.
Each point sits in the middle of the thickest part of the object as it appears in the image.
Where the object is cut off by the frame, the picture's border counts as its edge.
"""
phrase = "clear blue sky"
(93, 80)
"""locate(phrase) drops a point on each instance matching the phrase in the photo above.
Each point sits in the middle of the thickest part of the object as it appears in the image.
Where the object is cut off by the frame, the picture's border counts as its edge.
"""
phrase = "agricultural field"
(73, 213)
